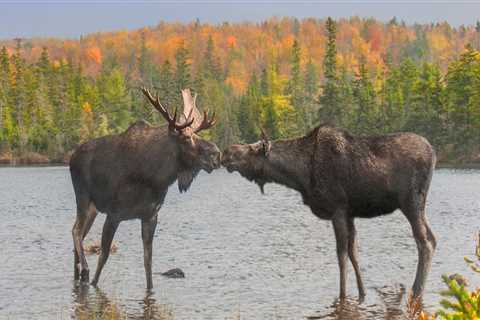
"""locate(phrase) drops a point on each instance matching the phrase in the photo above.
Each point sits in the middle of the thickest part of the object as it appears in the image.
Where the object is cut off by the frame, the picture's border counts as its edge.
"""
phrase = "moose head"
(249, 159)
(195, 153)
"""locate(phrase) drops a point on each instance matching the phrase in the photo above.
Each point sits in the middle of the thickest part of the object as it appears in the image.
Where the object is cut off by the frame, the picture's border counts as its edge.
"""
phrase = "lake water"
(245, 255)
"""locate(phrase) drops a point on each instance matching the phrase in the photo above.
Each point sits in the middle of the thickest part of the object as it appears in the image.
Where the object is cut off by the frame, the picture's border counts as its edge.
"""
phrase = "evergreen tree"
(463, 83)
(248, 112)
(182, 71)
(365, 104)
(330, 102)
(311, 91)
(210, 65)
(295, 88)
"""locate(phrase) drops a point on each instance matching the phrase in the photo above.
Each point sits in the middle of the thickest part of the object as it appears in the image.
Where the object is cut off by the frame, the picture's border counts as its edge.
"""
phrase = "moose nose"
(225, 158)
(217, 160)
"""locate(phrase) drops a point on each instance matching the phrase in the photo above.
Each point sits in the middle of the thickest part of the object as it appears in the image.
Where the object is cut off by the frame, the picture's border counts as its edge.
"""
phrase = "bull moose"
(342, 177)
(127, 176)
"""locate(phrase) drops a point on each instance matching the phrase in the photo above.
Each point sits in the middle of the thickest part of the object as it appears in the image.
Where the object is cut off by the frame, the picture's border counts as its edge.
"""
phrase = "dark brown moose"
(127, 176)
(342, 177)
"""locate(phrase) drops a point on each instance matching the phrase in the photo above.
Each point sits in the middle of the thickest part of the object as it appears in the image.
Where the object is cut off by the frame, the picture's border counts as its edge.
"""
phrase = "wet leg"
(340, 227)
(148, 231)
(426, 245)
(353, 255)
(109, 228)
(81, 266)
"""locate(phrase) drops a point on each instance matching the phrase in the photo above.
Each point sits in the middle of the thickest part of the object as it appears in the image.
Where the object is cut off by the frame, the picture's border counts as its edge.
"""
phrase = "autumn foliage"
(283, 74)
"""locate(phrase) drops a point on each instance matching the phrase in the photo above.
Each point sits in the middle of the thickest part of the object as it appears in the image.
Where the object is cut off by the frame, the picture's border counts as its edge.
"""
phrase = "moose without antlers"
(127, 176)
(342, 177)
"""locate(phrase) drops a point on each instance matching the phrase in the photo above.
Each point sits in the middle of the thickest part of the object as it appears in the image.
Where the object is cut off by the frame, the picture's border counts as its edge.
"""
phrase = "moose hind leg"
(80, 262)
(148, 231)
(109, 229)
(340, 228)
(426, 246)
(353, 255)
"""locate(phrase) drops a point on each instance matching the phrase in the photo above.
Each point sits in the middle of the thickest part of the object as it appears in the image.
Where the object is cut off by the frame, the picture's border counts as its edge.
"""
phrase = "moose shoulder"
(127, 176)
(341, 177)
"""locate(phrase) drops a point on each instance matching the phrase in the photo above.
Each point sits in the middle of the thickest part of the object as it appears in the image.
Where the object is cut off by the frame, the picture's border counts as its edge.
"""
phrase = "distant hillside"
(243, 48)
(283, 74)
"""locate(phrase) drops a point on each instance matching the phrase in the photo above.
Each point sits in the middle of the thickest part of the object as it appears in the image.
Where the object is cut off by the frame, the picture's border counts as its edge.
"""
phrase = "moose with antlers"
(342, 177)
(126, 176)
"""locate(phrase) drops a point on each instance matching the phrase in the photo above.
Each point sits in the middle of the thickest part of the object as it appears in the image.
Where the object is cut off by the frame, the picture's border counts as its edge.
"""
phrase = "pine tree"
(115, 100)
(463, 83)
(365, 104)
(330, 102)
(210, 65)
(311, 91)
(182, 71)
(295, 88)
(248, 112)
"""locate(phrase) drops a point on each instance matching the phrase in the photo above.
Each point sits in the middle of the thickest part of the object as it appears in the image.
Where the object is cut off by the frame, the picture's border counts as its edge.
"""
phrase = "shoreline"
(21, 164)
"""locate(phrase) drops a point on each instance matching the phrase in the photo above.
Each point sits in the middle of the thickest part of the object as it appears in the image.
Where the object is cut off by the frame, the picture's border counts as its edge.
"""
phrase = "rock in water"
(174, 273)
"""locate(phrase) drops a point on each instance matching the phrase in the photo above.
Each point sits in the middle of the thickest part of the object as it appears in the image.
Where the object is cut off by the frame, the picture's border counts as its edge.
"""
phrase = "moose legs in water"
(353, 255)
(425, 240)
(109, 228)
(86, 214)
(148, 231)
(345, 235)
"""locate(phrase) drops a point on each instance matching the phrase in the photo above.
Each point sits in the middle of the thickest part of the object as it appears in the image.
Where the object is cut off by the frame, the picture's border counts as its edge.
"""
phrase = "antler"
(205, 122)
(172, 121)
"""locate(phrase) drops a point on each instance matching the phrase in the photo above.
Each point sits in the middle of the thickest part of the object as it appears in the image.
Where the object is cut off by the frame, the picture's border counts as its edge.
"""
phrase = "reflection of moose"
(342, 177)
(389, 309)
(97, 305)
(127, 176)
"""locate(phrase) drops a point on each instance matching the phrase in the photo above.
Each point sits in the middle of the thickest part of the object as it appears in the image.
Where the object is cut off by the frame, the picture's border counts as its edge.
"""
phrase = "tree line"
(49, 106)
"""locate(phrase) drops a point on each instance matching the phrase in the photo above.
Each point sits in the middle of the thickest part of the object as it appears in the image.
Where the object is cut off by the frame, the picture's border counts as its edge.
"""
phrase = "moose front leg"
(148, 231)
(109, 228)
(340, 227)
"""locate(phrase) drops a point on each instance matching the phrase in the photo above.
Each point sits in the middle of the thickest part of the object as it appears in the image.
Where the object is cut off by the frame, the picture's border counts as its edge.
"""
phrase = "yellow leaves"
(87, 108)
(94, 54)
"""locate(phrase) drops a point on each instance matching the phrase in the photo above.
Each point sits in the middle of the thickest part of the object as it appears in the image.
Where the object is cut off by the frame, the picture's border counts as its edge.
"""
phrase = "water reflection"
(390, 307)
(93, 303)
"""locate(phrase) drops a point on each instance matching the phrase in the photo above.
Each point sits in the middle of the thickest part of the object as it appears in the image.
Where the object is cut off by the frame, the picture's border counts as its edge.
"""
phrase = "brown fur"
(341, 177)
(127, 177)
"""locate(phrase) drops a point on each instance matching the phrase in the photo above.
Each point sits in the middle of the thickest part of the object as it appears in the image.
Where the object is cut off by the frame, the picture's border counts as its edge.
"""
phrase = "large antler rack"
(172, 121)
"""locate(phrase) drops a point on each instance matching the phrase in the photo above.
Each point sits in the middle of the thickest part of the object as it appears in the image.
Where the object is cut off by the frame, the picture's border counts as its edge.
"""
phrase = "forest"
(283, 74)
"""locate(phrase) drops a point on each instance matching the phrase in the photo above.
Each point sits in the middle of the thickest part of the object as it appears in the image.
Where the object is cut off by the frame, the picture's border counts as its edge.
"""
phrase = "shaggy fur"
(127, 177)
(341, 177)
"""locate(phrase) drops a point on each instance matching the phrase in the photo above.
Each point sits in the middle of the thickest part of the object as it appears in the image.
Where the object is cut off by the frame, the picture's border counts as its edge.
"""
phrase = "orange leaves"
(232, 41)
(94, 54)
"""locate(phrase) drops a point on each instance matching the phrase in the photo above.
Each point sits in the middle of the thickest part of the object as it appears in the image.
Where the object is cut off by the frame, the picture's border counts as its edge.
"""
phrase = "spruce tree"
(330, 104)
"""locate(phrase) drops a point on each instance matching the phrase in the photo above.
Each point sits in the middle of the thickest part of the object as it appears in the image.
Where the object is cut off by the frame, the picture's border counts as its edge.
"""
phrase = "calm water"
(245, 255)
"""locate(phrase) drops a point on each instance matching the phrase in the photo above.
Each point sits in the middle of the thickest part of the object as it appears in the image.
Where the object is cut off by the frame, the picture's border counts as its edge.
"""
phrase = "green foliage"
(50, 106)
(330, 99)
(459, 303)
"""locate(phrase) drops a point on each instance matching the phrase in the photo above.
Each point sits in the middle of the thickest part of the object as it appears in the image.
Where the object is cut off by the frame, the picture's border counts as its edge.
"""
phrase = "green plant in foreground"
(459, 303)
